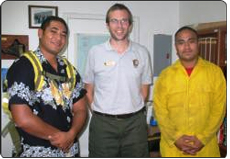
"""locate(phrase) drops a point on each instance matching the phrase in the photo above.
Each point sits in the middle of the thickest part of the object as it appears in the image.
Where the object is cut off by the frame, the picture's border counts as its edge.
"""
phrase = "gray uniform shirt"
(118, 78)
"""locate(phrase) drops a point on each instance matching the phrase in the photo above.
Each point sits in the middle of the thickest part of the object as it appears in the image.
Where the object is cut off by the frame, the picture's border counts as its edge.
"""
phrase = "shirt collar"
(40, 55)
(42, 58)
(200, 62)
(110, 48)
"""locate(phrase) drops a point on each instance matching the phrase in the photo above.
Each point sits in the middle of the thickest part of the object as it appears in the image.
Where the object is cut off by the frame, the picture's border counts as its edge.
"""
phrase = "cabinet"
(213, 47)
(213, 42)
(162, 52)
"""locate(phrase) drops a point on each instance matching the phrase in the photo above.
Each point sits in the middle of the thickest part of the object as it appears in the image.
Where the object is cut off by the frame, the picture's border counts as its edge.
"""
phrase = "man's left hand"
(62, 140)
(196, 145)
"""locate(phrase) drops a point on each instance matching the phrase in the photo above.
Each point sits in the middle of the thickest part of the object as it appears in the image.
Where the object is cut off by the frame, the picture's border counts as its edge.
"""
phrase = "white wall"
(202, 12)
(194, 12)
(155, 17)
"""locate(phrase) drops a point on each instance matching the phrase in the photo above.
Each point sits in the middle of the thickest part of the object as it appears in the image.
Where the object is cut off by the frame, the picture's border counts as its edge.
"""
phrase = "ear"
(40, 33)
(130, 28)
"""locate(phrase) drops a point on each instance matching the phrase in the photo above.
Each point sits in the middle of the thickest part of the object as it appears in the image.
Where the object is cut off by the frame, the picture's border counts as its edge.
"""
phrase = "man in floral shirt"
(50, 119)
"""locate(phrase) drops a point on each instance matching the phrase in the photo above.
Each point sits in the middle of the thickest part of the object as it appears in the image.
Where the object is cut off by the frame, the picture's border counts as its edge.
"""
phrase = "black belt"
(121, 116)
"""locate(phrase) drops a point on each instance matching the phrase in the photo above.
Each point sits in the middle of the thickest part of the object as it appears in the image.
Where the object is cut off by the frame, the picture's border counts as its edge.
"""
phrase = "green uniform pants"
(111, 137)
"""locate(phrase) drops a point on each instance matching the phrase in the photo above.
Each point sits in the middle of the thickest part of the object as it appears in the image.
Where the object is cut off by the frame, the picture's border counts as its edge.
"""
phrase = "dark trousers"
(111, 137)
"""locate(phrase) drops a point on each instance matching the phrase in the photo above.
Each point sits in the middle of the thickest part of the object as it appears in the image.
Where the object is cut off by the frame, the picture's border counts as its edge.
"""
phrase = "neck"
(120, 46)
(51, 58)
(53, 63)
(189, 64)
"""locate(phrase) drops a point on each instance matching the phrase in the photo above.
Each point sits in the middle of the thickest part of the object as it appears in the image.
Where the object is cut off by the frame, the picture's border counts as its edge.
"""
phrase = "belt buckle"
(119, 117)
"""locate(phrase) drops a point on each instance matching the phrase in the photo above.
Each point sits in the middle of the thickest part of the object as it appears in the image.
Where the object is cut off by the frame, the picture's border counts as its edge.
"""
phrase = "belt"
(121, 116)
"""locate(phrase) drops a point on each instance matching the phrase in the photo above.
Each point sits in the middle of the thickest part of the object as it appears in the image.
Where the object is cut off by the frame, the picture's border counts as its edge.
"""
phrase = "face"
(53, 38)
(187, 46)
(118, 25)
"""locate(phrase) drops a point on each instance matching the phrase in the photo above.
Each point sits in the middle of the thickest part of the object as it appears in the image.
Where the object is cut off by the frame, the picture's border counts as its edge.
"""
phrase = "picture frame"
(37, 14)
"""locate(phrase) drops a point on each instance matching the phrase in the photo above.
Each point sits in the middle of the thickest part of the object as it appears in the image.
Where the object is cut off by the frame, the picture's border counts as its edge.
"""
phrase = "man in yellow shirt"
(189, 102)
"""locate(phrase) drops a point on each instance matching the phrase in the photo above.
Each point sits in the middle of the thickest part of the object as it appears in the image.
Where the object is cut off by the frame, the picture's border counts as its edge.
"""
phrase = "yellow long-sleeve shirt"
(192, 105)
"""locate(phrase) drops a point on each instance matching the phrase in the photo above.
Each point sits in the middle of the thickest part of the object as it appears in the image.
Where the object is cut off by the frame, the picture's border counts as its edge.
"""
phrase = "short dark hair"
(186, 28)
(119, 6)
(49, 19)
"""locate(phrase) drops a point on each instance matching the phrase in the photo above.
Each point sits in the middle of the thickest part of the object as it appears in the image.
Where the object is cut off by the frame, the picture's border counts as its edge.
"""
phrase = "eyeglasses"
(122, 21)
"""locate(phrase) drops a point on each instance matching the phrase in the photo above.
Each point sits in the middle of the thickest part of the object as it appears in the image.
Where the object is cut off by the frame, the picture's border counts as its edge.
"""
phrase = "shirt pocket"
(176, 98)
(176, 106)
(204, 95)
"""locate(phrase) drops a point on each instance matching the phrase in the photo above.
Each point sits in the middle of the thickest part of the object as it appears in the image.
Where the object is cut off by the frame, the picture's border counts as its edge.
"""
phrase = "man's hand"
(62, 140)
(184, 143)
(190, 145)
(197, 145)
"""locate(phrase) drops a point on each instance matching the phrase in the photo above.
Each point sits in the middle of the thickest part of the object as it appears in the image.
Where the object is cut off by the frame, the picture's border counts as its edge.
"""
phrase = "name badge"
(109, 63)
(135, 63)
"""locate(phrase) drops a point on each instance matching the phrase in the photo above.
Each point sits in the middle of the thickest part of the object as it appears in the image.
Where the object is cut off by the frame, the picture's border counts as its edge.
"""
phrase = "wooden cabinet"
(213, 42)
(213, 47)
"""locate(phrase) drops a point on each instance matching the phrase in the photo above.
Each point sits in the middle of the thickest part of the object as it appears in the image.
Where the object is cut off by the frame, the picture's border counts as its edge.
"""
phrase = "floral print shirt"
(52, 104)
